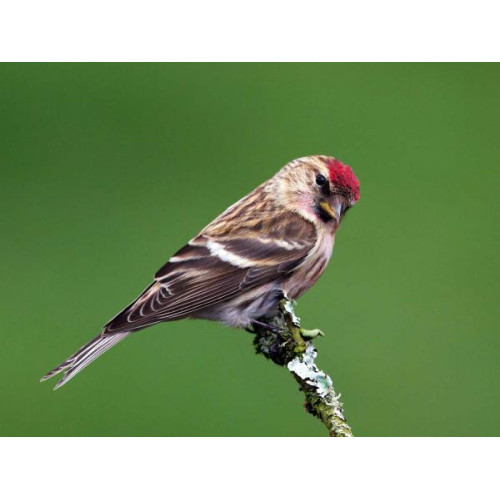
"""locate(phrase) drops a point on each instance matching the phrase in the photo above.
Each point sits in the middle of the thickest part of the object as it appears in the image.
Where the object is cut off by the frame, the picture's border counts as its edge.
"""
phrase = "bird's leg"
(266, 326)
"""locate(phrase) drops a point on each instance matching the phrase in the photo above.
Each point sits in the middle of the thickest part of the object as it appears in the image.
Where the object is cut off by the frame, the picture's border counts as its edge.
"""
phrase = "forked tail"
(84, 356)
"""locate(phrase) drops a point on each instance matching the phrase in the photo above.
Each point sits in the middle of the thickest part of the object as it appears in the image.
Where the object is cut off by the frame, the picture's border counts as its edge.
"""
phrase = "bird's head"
(320, 188)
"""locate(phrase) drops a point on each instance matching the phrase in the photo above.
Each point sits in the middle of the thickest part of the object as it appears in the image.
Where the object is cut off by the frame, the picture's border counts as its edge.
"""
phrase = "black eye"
(320, 180)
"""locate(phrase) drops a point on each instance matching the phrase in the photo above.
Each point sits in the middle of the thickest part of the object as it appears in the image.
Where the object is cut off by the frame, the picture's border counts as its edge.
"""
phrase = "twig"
(289, 346)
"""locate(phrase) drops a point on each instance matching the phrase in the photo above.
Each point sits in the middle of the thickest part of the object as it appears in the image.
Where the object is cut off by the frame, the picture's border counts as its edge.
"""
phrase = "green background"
(107, 169)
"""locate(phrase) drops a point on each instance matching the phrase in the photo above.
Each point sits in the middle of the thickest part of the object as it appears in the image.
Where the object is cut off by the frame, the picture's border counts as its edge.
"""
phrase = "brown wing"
(215, 267)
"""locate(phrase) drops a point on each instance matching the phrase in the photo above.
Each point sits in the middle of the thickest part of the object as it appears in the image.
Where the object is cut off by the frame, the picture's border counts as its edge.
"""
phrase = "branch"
(289, 346)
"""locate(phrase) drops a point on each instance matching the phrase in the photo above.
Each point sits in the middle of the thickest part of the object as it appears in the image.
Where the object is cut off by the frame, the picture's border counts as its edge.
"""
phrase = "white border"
(270, 30)
(233, 468)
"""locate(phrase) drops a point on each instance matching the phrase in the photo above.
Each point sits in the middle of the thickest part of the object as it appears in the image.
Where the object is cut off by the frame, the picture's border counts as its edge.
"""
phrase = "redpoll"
(274, 242)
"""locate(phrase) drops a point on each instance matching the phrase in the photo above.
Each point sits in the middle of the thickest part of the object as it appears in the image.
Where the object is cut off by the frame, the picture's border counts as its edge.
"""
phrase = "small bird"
(273, 243)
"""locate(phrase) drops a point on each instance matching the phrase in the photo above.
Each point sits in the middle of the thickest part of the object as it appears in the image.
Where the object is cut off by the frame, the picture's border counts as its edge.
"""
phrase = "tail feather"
(84, 356)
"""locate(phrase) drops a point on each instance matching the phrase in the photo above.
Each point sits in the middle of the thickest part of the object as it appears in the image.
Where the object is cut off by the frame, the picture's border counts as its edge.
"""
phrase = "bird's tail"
(84, 356)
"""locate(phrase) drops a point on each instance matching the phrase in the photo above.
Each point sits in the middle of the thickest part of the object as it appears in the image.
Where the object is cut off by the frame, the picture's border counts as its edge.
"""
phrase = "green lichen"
(287, 343)
(288, 347)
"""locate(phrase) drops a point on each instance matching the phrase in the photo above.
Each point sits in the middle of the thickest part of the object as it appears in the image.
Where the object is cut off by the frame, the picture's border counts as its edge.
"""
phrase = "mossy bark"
(288, 347)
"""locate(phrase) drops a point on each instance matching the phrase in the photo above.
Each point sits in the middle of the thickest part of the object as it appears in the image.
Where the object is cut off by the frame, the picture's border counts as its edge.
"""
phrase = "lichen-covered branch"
(290, 346)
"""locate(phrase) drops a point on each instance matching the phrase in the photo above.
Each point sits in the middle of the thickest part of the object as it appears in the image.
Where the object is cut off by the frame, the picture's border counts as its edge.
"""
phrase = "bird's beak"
(333, 210)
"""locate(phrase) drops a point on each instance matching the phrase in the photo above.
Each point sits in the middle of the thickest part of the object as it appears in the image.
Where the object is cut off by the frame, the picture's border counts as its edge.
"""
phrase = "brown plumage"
(275, 241)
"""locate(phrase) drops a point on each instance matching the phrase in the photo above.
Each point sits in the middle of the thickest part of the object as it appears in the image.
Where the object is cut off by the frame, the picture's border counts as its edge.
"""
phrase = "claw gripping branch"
(292, 348)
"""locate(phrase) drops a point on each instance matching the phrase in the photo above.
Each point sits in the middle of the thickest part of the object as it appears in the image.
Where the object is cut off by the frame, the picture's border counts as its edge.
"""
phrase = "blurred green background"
(107, 169)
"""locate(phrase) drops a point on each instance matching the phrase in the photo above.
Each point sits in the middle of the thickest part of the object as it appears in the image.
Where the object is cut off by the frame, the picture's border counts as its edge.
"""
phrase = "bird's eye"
(320, 180)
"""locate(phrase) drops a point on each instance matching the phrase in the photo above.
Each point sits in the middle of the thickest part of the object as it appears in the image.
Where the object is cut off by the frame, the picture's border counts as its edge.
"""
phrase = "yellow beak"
(328, 209)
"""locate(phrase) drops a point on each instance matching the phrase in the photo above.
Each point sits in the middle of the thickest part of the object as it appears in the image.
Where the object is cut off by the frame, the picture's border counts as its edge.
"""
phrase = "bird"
(273, 243)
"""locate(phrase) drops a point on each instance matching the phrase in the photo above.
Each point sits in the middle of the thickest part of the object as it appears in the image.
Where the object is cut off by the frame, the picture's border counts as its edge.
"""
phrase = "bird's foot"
(265, 326)
(311, 334)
